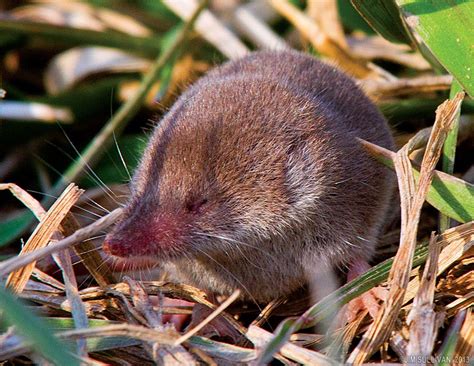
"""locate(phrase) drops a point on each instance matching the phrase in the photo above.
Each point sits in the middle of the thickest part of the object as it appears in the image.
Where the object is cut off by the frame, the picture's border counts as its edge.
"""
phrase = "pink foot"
(178, 320)
(185, 322)
(369, 301)
(219, 327)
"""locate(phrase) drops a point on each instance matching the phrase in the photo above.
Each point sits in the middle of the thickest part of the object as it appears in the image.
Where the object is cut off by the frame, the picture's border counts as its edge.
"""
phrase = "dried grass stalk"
(326, 14)
(209, 318)
(256, 30)
(465, 346)
(260, 337)
(78, 310)
(322, 42)
(412, 199)
(44, 231)
(94, 263)
(455, 243)
(165, 336)
(377, 47)
(385, 89)
(210, 27)
(422, 317)
(161, 354)
(15, 263)
(27, 199)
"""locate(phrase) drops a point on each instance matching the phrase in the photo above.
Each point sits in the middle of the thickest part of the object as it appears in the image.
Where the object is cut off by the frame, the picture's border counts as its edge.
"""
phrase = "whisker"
(51, 167)
(107, 190)
(239, 249)
(71, 158)
(121, 157)
(237, 242)
(75, 206)
(91, 202)
(96, 237)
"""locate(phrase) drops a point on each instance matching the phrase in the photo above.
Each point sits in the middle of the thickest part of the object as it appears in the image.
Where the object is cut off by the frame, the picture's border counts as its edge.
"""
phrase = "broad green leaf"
(447, 29)
(34, 330)
(451, 196)
(384, 17)
(13, 227)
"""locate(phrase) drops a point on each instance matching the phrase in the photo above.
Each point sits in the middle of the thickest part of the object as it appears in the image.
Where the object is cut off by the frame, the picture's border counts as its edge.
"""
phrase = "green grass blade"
(93, 344)
(223, 350)
(131, 148)
(351, 19)
(448, 348)
(34, 330)
(416, 108)
(449, 152)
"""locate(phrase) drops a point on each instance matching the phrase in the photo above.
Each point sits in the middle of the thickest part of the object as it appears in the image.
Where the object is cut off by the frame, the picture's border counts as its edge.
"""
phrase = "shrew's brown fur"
(255, 180)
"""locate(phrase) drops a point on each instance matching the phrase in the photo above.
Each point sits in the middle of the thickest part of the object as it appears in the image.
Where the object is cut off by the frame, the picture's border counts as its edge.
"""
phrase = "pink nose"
(114, 247)
(147, 237)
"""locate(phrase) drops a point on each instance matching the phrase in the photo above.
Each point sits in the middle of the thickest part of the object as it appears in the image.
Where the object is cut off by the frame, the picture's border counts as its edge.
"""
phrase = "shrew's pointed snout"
(120, 258)
(129, 241)
(130, 238)
(157, 236)
(115, 247)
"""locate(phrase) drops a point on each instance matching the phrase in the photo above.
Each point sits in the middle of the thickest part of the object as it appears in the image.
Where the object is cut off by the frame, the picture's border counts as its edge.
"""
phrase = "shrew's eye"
(195, 206)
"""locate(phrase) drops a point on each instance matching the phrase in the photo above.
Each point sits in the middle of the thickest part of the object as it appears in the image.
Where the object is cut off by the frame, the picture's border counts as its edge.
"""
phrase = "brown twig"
(383, 89)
